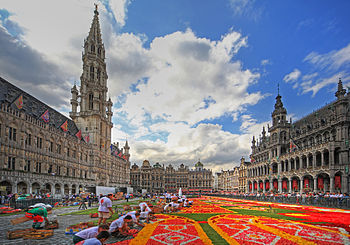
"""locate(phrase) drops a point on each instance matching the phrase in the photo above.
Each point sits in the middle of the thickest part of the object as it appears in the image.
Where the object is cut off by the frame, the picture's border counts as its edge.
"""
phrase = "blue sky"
(189, 79)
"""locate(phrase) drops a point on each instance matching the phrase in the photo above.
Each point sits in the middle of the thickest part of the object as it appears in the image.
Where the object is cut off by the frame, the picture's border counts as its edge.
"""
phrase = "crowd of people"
(122, 226)
(325, 199)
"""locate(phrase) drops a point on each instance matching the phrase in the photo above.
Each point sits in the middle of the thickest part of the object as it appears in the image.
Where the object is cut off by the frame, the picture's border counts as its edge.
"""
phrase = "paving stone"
(59, 237)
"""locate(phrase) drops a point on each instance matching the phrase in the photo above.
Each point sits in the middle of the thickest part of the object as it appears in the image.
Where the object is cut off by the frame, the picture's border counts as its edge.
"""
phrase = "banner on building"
(46, 116)
(19, 102)
(78, 134)
(64, 126)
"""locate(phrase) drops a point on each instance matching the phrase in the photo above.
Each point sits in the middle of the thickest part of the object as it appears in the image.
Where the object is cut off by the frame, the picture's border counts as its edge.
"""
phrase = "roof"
(33, 107)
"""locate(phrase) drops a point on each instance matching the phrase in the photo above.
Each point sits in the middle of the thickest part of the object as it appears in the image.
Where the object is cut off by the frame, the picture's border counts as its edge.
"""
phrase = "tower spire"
(341, 91)
(95, 115)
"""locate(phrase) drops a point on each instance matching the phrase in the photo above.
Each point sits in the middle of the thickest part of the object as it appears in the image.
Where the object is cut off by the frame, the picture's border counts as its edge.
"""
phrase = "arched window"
(92, 72)
(92, 48)
(91, 103)
(99, 51)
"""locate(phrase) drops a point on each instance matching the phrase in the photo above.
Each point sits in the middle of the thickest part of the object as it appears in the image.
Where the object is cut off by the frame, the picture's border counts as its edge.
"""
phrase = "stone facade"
(41, 150)
(242, 179)
(158, 178)
(228, 180)
(311, 154)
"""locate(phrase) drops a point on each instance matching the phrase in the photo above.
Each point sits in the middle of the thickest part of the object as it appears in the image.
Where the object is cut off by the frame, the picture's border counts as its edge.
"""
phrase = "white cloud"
(265, 62)
(119, 8)
(332, 60)
(246, 8)
(293, 76)
(183, 72)
(181, 79)
(309, 86)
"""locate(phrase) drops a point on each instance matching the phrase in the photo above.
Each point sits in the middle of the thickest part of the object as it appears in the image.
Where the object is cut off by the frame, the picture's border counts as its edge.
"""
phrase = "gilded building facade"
(43, 151)
(158, 178)
(311, 154)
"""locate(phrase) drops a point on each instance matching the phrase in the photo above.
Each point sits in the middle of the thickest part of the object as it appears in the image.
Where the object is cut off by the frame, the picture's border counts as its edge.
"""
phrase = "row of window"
(70, 172)
(39, 143)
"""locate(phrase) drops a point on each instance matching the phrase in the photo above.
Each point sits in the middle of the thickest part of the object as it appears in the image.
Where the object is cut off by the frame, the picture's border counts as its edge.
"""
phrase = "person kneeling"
(89, 233)
(98, 240)
(119, 227)
(38, 215)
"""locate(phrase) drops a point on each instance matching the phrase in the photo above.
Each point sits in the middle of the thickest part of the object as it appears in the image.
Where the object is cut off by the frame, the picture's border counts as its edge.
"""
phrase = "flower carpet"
(214, 220)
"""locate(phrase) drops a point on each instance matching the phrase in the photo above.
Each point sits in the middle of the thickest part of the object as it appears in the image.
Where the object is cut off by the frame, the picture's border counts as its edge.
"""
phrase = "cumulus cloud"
(163, 93)
(185, 79)
(215, 147)
(293, 76)
(192, 79)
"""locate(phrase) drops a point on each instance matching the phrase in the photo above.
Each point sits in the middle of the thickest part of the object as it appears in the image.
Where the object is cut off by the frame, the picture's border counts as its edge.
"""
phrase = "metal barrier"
(320, 201)
(25, 204)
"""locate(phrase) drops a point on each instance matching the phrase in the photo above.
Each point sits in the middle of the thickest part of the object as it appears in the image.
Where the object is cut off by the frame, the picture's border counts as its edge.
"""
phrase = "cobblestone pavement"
(59, 237)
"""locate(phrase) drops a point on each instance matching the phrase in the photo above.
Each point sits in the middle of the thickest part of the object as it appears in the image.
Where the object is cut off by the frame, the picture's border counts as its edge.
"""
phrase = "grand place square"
(165, 132)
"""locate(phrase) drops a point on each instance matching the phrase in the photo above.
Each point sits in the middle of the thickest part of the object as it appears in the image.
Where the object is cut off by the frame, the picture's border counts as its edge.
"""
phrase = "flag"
(120, 154)
(111, 147)
(87, 138)
(78, 134)
(292, 145)
(124, 157)
(19, 102)
(46, 116)
(64, 126)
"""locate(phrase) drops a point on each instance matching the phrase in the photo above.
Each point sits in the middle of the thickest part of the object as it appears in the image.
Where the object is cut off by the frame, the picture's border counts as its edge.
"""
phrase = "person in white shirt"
(143, 206)
(105, 206)
(98, 240)
(135, 217)
(168, 208)
(89, 233)
(119, 227)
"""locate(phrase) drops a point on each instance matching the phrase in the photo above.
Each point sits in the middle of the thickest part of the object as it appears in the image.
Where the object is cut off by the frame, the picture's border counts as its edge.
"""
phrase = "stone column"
(314, 161)
(331, 158)
(279, 186)
(53, 189)
(322, 159)
(14, 187)
(290, 185)
(279, 167)
(307, 161)
(301, 185)
(30, 188)
(315, 184)
(264, 187)
(344, 183)
(331, 184)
